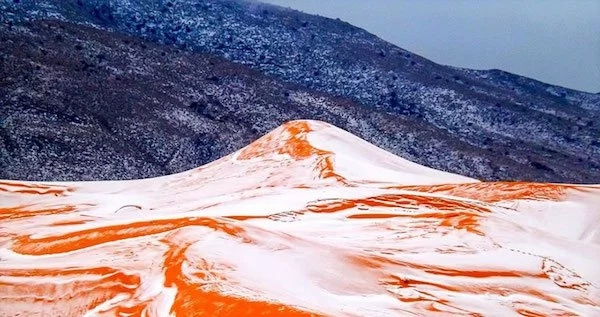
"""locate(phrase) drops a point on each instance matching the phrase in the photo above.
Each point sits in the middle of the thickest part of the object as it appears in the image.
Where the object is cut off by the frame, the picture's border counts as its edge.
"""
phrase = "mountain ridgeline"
(123, 89)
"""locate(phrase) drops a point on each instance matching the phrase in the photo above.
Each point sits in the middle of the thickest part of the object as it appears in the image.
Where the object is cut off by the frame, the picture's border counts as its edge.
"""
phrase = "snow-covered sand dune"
(308, 220)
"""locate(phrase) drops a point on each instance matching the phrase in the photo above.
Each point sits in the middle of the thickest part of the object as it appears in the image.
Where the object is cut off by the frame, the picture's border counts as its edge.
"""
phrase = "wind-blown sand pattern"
(307, 221)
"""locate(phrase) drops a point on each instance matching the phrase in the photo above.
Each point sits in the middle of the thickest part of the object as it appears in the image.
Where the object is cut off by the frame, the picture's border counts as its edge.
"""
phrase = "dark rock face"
(81, 103)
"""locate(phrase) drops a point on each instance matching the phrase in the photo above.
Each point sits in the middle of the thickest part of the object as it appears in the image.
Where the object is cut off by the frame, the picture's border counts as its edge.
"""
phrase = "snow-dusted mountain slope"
(307, 220)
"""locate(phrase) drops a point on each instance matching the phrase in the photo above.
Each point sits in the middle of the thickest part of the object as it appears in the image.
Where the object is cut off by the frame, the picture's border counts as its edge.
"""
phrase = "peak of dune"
(340, 154)
(308, 220)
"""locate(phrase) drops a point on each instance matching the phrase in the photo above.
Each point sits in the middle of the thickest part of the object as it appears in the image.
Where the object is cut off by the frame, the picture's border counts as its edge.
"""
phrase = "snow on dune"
(306, 221)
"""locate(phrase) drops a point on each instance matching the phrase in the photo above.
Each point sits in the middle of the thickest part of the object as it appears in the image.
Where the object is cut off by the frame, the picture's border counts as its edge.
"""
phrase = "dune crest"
(309, 220)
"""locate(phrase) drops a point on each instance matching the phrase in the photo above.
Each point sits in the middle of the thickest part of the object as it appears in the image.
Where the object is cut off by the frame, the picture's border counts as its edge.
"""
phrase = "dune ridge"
(308, 220)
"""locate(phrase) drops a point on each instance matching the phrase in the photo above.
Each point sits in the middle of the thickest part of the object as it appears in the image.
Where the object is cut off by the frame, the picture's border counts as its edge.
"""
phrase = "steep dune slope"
(307, 220)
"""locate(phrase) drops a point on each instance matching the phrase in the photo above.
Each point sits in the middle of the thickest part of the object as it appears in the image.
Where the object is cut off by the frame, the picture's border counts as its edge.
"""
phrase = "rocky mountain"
(308, 220)
(119, 68)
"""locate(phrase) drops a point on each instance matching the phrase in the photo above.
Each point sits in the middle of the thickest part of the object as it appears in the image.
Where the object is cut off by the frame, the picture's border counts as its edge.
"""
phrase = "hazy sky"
(555, 41)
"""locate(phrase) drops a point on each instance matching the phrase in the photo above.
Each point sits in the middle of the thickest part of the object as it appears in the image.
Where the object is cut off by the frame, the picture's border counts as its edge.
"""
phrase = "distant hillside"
(484, 124)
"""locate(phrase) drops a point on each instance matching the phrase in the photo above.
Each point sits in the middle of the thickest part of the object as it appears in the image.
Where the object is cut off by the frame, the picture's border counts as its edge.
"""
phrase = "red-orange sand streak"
(91, 237)
(27, 212)
(30, 188)
(88, 288)
(191, 300)
(69, 222)
(460, 215)
(491, 192)
(293, 141)
(399, 200)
